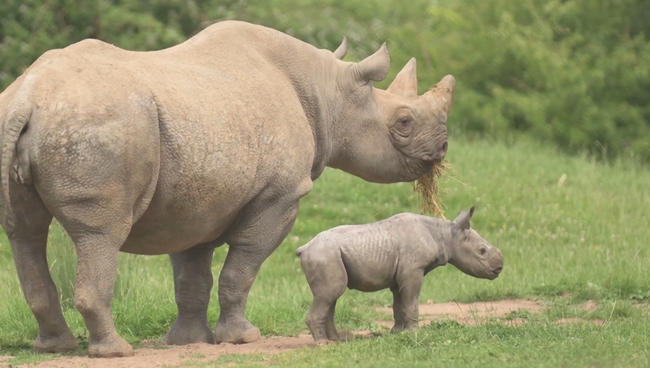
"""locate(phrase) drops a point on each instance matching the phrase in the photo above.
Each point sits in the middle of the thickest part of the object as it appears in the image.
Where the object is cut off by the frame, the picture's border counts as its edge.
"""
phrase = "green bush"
(572, 72)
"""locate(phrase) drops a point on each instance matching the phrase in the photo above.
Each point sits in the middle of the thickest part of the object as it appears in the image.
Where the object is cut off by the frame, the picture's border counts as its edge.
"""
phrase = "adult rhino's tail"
(15, 123)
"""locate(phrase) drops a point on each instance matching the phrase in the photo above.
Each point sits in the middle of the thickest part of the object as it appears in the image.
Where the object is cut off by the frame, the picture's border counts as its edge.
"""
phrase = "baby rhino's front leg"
(405, 301)
(327, 279)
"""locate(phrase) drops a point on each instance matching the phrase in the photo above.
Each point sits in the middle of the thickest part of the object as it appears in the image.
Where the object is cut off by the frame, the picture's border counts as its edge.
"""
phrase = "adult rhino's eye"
(405, 121)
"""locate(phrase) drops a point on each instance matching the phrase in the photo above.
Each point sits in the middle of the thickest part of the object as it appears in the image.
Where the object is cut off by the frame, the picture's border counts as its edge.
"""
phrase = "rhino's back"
(373, 253)
(369, 252)
(229, 130)
(216, 111)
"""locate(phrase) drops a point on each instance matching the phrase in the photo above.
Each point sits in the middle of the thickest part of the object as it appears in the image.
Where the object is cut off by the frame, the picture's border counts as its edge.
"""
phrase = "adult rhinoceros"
(182, 150)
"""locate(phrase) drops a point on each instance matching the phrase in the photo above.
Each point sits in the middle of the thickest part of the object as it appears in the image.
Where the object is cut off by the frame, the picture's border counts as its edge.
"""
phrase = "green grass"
(588, 237)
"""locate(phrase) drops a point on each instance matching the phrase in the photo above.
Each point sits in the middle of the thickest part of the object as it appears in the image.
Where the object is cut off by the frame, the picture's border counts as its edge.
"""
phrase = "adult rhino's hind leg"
(192, 285)
(98, 254)
(265, 223)
(97, 183)
(28, 239)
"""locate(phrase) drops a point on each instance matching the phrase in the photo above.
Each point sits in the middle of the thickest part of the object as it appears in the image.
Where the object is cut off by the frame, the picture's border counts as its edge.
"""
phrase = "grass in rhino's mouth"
(429, 190)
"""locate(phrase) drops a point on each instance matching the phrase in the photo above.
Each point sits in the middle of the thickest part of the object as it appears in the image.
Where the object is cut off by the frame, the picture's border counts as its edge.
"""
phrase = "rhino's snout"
(495, 272)
(498, 267)
(438, 155)
(443, 150)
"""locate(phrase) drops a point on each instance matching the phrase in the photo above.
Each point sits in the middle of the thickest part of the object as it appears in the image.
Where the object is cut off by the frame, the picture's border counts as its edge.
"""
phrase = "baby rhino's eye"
(483, 251)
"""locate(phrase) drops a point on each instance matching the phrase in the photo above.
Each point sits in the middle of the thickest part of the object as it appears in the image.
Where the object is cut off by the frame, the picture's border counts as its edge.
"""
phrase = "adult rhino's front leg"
(264, 225)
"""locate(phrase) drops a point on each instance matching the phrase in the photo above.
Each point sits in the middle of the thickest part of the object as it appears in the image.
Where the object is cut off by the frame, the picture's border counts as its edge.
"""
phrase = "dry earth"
(468, 314)
(175, 356)
(482, 312)
(154, 355)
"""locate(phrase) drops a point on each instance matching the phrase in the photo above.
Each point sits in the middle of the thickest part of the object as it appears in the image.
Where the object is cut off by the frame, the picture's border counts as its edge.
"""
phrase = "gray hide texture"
(182, 150)
(396, 254)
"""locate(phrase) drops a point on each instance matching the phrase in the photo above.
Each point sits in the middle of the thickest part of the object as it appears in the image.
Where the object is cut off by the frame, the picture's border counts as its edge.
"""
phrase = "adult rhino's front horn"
(443, 93)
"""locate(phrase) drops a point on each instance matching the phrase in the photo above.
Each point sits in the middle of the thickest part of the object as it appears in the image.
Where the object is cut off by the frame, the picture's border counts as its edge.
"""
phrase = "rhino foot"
(324, 342)
(187, 333)
(405, 326)
(64, 343)
(110, 347)
(236, 333)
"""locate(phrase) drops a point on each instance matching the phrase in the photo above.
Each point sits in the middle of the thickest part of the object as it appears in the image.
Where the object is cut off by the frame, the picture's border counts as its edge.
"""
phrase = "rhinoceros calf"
(182, 150)
(394, 253)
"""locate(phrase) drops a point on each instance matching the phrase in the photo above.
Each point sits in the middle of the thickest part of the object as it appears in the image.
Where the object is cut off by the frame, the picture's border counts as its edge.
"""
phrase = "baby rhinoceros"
(393, 253)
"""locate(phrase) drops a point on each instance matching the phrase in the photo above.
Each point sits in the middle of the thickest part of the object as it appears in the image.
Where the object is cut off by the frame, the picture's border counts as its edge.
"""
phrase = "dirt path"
(481, 312)
(468, 314)
(176, 356)
(195, 354)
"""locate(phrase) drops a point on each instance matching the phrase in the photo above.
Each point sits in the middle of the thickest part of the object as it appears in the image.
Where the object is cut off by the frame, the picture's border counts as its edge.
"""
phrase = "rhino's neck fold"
(364, 150)
(312, 73)
(443, 237)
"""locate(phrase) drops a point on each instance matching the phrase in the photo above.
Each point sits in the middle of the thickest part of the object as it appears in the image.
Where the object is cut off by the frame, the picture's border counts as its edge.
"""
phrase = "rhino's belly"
(369, 258)
(369, 278)
(155, 238)
(177, 220)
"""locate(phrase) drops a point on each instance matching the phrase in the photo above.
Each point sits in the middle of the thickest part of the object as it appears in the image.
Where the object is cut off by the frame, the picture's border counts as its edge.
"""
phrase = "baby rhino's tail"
(300, 250)
(303, 248)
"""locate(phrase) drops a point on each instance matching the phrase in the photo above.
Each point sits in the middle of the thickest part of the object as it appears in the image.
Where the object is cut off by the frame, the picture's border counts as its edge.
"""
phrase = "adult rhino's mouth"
(428, 188)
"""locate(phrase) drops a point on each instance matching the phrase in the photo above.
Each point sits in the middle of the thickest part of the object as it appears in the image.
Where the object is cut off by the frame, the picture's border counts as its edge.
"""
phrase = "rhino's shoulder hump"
(404, 218)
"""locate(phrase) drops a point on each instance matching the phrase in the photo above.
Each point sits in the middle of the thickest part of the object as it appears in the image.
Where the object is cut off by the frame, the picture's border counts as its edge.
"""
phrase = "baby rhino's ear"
(461, 222)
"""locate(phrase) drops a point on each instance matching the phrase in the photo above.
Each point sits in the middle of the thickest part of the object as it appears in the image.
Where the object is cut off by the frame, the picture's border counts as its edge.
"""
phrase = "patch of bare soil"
(472, 313)
(588, 306)
(175, 356)
(480, 312)
(158, 355)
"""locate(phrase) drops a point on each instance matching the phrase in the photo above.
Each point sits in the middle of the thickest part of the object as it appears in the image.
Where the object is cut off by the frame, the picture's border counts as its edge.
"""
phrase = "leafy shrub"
(572, 72)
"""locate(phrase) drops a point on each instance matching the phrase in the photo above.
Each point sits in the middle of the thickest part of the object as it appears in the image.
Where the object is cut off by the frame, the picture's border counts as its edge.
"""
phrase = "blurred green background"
(574, 73)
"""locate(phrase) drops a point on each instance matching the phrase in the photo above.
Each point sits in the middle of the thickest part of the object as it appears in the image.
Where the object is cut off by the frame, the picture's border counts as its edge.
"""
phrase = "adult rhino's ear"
(342, 50)
(406, 81)
(374, 67)
(461, 222)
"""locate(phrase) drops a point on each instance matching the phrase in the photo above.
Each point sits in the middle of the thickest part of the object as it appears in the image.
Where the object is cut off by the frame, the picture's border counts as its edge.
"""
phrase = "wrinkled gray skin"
(394, 253)
(182, 150)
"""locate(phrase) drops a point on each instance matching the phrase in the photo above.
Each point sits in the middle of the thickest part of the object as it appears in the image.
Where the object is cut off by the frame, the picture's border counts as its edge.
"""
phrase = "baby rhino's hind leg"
(327, 279)
(330, 327)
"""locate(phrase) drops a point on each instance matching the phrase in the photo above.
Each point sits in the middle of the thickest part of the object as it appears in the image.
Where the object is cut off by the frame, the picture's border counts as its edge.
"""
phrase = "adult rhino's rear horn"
(406, 81)
(342, 50)
(373, 68)
(443, 93)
